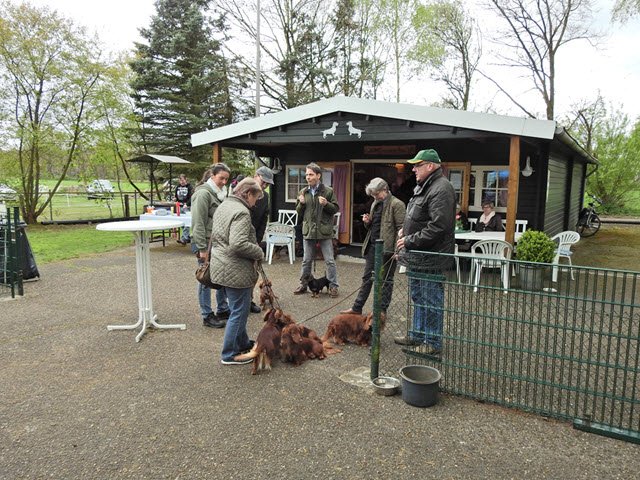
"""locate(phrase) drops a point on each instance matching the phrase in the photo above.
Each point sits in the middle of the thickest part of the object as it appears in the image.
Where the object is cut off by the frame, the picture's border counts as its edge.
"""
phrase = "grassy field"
(51, 243)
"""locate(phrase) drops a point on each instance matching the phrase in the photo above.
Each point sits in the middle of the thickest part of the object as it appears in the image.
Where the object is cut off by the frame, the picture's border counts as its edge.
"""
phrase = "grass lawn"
(614, 246)
(60, 242)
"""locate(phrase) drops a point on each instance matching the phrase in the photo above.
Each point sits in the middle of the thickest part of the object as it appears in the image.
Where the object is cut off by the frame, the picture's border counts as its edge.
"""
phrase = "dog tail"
(253, 353)
(329, 348)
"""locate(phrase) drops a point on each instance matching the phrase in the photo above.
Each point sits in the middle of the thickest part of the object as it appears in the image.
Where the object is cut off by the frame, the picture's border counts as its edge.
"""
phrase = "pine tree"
(183, 81)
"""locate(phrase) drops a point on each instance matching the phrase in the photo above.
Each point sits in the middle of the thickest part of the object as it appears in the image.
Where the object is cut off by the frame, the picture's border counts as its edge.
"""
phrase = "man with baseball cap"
(428, 227)
(260, 213)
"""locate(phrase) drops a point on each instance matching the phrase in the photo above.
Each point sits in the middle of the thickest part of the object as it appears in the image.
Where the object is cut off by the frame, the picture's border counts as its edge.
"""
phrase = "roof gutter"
(564, 136)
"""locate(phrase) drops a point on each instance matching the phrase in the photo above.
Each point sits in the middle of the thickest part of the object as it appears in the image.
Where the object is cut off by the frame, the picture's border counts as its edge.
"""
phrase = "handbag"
(203, 275)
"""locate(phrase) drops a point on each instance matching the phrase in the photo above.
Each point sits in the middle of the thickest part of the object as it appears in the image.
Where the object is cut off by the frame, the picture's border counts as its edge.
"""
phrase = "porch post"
(514, 182)
(217, 153)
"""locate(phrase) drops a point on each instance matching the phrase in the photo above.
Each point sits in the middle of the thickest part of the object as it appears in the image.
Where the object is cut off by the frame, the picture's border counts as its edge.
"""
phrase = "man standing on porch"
(428, 227)
(317, 205)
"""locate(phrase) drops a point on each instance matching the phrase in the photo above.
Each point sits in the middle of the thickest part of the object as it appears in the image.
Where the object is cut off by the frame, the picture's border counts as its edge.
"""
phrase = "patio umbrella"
(154, 161)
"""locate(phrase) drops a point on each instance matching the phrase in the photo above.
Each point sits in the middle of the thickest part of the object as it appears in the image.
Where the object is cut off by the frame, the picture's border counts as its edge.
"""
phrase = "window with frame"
(489, 183)
(295, 181)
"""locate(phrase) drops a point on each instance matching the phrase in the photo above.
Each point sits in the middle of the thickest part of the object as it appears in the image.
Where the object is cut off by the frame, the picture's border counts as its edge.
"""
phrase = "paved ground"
(77, 401)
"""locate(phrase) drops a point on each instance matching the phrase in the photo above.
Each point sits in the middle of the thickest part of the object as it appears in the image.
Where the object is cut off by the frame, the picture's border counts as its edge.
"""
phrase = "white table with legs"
(140, 229)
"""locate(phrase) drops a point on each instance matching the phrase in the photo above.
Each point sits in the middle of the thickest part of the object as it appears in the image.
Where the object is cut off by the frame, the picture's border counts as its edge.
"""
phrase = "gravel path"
(77, 401)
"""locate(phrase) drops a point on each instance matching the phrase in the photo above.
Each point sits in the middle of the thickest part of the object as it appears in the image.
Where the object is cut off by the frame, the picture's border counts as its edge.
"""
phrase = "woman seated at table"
(234, 260)
(489, 221)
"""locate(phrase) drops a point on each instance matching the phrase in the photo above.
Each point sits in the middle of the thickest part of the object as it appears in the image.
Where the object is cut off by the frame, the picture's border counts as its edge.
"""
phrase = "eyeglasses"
(421, 164)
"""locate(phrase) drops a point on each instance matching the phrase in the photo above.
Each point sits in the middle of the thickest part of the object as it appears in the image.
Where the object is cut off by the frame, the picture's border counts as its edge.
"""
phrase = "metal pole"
(258, 58)
(378, 279)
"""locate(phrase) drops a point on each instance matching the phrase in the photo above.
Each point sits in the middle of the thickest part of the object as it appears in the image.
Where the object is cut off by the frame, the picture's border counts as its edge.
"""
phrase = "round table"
(140, 229)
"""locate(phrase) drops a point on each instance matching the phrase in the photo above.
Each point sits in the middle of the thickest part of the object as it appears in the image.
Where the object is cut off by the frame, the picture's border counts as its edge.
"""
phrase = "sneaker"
(223, 315)
(405, 340)
(333, 292)
(213, 321)
(350, 311)
(255, 308)
(236, 362)
(181, 242)
(300, 290)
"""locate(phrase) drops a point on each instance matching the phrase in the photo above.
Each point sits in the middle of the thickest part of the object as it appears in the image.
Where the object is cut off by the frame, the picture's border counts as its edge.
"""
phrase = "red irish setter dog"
(267, 295)
(300, 343)
(267, 345)
(349, 328)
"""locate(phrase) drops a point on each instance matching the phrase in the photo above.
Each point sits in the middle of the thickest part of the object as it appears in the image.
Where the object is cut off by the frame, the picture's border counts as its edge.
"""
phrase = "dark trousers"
(388, 272)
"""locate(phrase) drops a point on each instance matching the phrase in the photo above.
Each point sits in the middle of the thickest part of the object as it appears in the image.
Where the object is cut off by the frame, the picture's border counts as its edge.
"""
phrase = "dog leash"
(347, 297)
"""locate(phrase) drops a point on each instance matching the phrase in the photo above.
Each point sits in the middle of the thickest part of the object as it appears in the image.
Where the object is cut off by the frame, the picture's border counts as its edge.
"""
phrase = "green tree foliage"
(623, 10)
(448, 41)
(49, 70)
(183, 83)
(617, 148)
(394, 23)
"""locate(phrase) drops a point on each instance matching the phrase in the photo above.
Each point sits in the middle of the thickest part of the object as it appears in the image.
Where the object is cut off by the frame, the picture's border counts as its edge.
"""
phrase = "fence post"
(17, 267)
(127, 213)
(377, 296)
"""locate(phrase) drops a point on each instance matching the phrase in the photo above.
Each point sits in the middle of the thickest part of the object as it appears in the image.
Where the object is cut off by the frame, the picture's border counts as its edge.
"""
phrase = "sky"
(613, 67)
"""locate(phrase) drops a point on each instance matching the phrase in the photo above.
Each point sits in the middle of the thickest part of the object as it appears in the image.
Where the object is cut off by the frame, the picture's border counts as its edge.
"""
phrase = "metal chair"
(280, 235)
(288, 217)
(565, 240)
(490, 254)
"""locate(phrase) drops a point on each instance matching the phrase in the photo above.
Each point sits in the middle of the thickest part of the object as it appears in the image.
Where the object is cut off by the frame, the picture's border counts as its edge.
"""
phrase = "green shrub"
(535, 246)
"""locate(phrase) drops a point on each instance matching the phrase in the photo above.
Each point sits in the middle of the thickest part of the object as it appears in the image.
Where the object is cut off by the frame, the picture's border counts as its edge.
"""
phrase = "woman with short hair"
(234, 264)
(489, 221)
(383, 221)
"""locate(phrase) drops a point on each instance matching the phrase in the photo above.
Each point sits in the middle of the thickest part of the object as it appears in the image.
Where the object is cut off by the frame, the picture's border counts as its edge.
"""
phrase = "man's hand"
(400, 243)
(301, 198)
(322, 201)
(203, 256)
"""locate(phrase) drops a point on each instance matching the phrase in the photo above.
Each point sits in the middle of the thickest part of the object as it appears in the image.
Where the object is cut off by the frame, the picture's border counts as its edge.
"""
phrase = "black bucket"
(420, 385)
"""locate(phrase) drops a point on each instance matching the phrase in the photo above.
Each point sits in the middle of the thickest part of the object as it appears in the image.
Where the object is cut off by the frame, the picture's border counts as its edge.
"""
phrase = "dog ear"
(367, 321)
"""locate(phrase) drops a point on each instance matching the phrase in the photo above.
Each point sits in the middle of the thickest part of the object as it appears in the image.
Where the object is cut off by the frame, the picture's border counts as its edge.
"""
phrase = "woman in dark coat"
(489, 221)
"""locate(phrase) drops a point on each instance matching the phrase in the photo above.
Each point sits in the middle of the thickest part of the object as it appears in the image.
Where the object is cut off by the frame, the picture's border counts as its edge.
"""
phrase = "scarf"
(486, 218)
(221, 193)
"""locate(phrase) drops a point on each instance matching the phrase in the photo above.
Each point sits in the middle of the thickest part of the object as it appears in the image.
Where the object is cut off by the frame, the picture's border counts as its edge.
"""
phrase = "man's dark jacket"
(260, 215)
(430, 223)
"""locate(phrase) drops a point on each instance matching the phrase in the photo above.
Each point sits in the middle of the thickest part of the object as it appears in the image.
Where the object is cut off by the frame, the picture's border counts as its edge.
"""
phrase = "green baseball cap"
(429, 155)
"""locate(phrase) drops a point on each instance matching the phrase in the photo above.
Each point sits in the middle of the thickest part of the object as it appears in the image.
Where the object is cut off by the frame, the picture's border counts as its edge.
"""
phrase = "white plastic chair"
(521, 225)
(472, 223)
(565, 240)
(492, 254)
(280, 235)
(336, 225)
(288, 217)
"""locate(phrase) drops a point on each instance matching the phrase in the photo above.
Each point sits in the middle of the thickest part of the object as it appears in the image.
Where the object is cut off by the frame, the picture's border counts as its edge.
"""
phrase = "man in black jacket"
(428, 227)
(260, 212)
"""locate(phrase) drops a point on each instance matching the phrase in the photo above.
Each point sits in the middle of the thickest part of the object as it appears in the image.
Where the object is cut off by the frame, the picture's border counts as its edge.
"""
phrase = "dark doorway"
(401, 182)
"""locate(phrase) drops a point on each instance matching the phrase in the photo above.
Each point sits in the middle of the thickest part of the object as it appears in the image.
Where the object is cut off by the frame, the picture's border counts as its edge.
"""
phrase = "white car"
(7, 193)
(100, 189)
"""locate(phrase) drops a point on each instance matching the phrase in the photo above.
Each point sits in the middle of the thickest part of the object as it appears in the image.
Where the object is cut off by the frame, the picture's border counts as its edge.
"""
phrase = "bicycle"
(589, 221)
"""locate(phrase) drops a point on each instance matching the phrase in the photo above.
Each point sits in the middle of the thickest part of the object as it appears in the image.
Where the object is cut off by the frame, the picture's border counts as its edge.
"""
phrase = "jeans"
(389, 271)
(185, 234)
(204, 295)
(428, 305)
(235, 334)
(326, 246)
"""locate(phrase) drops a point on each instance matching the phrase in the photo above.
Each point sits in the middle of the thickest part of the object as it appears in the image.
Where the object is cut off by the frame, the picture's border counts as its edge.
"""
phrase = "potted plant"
(534, 247)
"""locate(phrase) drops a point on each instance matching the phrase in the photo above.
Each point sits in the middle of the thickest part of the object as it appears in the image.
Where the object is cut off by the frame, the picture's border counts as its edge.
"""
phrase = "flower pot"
(531, 276)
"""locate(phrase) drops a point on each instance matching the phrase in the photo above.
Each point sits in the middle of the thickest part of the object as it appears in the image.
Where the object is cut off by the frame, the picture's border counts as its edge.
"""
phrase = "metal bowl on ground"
(386, 386)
